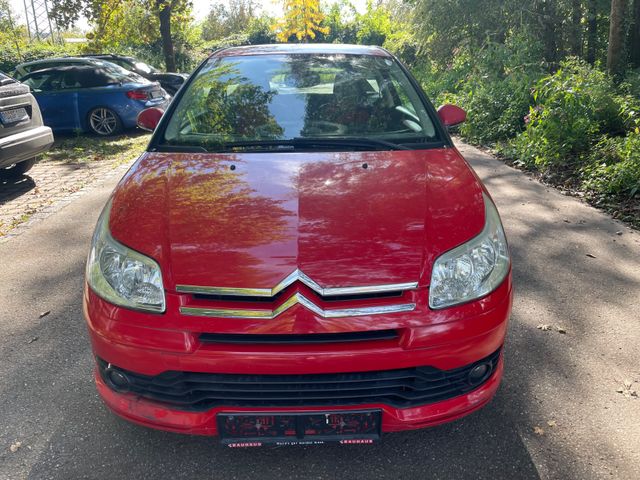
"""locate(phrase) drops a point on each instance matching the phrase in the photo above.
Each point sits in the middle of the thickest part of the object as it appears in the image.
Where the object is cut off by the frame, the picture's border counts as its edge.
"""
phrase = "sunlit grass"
(70, 149)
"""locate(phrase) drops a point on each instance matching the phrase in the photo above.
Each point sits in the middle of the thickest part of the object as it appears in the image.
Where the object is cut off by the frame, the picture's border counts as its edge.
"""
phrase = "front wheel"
(18, 169)
(104, 122)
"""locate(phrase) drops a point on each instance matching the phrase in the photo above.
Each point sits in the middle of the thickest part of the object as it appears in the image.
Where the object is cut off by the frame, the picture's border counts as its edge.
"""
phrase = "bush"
(573, 108)
(614, 166)
(10, 56)
(492, 85)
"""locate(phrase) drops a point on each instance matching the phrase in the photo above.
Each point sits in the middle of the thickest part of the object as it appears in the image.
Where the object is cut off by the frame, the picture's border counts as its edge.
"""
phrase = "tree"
(634, 37)
(67, 13)
(615, 53)
(592, 30)
(302, 20)
(575, 41)
(223, 21)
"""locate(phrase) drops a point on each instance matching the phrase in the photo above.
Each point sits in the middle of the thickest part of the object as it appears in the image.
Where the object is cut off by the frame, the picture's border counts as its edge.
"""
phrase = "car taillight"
(138, 94)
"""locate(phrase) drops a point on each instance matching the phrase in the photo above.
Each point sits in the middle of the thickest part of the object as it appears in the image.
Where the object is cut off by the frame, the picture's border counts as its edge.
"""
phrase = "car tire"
(104, 122)
(18, 169)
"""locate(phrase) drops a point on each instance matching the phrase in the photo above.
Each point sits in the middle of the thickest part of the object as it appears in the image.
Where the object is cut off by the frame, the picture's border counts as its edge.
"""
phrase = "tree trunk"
(615, 52)
(575, 42)
(548, 21)
(592, 30)
(164, 15)
(634, 38)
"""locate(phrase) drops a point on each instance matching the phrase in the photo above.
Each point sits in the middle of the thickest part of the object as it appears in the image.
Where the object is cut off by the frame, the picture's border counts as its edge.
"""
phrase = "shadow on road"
(484, 445)
(13, 188)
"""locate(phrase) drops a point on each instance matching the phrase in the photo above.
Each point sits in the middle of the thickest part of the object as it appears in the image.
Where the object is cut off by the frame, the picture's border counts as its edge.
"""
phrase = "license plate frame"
(299, 428)
(14, 115)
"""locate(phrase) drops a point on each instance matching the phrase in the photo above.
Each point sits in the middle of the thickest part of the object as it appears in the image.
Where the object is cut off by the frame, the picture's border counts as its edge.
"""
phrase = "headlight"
(473, 269)
(120, 275)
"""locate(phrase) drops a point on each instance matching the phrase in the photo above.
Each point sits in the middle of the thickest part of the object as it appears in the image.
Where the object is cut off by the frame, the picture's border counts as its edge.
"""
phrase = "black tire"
(104, 122)
(18, 169)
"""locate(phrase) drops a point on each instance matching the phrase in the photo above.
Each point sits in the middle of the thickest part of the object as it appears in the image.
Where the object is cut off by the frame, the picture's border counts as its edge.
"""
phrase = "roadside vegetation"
(551, 85)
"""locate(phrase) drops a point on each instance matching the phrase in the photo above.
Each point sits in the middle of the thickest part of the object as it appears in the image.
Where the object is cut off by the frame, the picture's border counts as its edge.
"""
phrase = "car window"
(45, 81)
(250, 98)
(69, 79)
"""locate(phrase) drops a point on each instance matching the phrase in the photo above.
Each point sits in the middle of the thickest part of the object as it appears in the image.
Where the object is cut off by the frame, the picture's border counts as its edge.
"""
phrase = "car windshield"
(263, 98)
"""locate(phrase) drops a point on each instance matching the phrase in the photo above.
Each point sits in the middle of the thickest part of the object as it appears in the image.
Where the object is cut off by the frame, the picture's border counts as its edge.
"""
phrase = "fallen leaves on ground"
(538, 430)
(15, 447)
(546, 328)
(627, 389)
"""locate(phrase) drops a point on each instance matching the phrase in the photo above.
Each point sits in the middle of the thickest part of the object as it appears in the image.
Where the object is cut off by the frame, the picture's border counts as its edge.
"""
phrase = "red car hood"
(344, 219)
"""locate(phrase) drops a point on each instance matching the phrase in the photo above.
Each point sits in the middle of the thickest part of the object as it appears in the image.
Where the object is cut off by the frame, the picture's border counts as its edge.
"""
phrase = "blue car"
(93, 99)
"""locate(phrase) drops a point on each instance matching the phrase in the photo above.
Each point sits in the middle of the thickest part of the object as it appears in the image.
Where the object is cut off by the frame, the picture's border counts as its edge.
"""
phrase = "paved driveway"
(558, 414)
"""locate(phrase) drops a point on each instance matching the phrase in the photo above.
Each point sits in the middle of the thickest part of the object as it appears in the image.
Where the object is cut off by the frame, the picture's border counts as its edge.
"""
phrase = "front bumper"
(450, 339)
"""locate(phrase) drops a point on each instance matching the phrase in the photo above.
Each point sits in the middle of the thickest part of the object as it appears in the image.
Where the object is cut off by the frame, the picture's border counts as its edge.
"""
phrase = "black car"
(171, 82)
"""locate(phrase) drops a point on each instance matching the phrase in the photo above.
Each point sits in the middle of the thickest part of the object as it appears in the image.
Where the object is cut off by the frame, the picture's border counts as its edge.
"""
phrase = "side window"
(96, 78)
(43, 82)
(70, 80)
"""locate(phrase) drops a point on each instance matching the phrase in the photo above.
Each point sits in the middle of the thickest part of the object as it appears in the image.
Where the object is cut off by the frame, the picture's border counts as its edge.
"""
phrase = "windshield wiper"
(322, 143)
(349, 142)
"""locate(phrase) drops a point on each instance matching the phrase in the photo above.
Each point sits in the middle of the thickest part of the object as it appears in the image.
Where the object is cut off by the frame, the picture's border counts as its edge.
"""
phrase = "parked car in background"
(22, 134)
(170, 81)
(98, 100)
(26, 68)
(301, 255)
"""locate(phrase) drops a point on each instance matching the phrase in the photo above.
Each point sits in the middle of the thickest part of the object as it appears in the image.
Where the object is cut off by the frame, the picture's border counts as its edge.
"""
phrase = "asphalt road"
(575, 269)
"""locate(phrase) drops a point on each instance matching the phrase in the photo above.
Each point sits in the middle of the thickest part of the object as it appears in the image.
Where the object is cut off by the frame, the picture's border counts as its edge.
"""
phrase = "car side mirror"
(149, 118)
(450, 115)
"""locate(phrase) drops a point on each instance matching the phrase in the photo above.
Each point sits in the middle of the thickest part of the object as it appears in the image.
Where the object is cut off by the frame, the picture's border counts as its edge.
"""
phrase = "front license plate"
(13, 116)
(258, 429)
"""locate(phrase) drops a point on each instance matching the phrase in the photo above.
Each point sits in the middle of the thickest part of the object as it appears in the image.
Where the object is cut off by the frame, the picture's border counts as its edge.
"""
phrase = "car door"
(58, 101)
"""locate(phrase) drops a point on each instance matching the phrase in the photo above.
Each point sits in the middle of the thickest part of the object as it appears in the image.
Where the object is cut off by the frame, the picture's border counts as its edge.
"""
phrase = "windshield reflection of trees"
(225, 106)
(215, 217)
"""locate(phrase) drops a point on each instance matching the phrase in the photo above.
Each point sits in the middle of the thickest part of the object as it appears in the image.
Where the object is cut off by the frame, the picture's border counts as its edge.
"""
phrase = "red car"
(300, 256)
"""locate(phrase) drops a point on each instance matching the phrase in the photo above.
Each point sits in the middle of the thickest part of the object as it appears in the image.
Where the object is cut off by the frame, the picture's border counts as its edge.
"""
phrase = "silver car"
(22, 135)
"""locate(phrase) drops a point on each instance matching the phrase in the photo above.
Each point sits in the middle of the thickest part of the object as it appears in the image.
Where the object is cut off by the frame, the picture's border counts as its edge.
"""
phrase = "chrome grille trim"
(296, 298)
(297, 275)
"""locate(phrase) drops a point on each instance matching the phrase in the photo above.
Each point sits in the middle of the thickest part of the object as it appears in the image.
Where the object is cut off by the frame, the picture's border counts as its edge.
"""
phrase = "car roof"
(108, 55)
(60, 59)
(302, 48)
(63, 68)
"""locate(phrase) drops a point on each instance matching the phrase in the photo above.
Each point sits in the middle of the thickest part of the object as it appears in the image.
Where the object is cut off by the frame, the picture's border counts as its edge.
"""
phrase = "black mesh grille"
(296, 339)
(399, 388)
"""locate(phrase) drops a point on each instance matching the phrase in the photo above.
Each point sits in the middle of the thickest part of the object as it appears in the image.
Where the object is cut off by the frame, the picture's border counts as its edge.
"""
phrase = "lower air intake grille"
(399, 388)
(297, 339)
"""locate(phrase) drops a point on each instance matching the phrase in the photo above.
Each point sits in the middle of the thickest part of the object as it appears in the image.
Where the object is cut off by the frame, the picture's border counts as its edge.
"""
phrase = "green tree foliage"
(224, 20)
(127, 26)
(101, 13)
